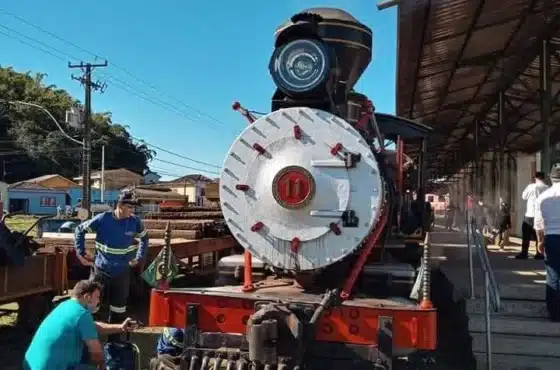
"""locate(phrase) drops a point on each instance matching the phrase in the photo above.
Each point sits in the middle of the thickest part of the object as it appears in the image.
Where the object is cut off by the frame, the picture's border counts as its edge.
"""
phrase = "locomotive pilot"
(114, 252)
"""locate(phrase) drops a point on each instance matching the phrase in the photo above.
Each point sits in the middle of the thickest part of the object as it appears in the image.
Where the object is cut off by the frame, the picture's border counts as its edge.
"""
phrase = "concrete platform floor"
(522, 336)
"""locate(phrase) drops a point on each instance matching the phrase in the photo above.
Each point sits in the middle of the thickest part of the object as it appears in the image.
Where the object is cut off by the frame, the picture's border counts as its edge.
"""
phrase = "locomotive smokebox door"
(281, 185)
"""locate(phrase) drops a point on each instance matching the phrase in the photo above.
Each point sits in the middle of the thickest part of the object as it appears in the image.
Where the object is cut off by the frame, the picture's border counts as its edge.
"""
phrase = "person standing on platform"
(115, 253)
(530, 194)
(547, 226)
(449, 216)
(502, 224)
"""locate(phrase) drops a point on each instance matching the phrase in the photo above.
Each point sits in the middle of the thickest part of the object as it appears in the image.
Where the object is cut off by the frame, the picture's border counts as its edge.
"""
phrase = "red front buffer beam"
(244, 112)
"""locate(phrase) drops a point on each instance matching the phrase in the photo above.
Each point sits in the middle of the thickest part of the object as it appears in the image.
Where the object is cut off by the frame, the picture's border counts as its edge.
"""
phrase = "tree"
(31, 145)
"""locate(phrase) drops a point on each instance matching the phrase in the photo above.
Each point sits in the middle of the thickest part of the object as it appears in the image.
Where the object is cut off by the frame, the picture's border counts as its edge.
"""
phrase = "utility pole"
(102, 174)
(89, 85)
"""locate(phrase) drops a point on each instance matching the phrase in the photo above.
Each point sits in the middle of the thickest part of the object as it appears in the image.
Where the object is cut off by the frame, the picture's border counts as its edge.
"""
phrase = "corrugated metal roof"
(454, 56)
(24, 185)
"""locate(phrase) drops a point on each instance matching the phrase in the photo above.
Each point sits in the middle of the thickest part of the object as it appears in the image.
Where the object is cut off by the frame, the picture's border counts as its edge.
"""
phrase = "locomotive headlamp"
(300, 66)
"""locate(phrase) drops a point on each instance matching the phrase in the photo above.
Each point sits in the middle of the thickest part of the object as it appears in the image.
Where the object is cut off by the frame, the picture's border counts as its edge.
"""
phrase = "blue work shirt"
(113, 241)
(59, 341)
(171, 342)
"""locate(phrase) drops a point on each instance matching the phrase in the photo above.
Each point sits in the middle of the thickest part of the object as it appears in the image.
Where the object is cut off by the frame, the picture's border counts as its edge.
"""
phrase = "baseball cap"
(127, 197)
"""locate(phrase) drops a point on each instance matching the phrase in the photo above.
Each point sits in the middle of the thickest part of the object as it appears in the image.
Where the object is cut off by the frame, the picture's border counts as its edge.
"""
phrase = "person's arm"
(105, 328)
(142, 234)
(527, 192)
(88, 334)
(539, 224)
(80, 235)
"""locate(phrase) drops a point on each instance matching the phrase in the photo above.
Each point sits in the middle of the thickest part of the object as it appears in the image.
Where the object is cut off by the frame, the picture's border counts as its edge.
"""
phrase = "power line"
(178, 155)
(133, 92)
(187, 167)
(164, 161)
(201, 113)
(115, 80)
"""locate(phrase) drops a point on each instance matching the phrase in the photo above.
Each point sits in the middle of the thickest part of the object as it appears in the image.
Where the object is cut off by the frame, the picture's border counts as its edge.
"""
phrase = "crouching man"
(169, 350)
(60, 340)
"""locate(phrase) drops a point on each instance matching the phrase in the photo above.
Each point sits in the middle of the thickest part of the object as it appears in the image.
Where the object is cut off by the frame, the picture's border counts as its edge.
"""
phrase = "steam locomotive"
(319, 204)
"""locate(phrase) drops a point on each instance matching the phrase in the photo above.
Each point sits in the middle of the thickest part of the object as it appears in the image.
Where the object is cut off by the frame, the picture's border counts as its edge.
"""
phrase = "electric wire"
(68, 42)
(127, 90)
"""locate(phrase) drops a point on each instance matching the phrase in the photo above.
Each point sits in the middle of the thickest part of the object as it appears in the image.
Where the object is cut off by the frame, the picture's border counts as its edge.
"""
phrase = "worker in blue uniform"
(115, 253)
(169, 349)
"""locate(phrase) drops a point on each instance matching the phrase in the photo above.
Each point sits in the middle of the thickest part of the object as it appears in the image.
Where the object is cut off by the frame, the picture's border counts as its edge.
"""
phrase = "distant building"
(150, 196)
(191, 186)
(151, 177)
(109, 197)
(114, 179)
(53, 181)
(35, 198)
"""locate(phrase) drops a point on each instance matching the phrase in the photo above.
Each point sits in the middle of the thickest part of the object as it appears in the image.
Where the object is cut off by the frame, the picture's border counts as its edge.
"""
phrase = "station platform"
(522, 336)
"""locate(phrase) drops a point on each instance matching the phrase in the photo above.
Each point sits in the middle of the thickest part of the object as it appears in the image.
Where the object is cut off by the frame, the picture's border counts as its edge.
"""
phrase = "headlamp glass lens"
(300, 66)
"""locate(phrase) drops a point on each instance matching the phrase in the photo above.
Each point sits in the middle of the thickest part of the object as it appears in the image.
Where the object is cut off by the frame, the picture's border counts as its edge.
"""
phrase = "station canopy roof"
(455, 56)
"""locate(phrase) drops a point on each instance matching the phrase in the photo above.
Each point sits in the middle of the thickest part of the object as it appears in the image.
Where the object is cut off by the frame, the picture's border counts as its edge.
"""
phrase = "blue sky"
(200, 55)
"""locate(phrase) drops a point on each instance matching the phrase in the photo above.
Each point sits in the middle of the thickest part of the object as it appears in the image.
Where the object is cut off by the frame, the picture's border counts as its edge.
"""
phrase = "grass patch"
(21, 223)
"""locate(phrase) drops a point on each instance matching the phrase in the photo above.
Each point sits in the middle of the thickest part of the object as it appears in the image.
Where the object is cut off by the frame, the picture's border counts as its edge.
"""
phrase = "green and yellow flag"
(154, 274)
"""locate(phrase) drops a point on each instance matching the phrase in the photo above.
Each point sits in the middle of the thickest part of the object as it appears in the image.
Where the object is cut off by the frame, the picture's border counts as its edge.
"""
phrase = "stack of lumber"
(182, 215)
(190, 224)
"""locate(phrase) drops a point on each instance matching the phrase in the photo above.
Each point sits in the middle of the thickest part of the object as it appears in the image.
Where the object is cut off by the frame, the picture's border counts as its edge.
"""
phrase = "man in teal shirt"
(63, 335)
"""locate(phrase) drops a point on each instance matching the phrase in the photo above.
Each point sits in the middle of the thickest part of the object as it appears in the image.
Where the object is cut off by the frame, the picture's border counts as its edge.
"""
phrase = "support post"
(495, 177)
(476, 169)
(501, 143)
(422, 179)
(487, 320)
(103, 174)
(545, 86)
(89, 85)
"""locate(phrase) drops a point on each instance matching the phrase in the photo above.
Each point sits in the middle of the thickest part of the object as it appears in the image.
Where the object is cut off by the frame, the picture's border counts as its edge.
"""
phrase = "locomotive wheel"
(33, 309)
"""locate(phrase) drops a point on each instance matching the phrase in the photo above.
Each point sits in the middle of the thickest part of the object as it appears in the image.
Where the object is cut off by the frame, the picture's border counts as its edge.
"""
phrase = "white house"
(191, 186)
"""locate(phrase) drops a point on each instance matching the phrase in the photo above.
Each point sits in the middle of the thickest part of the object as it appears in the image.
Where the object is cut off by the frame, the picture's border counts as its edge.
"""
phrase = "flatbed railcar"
(29, 276)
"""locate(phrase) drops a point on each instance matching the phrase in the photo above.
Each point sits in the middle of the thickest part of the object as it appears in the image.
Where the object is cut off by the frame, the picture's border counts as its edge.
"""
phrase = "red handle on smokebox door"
(244, 112)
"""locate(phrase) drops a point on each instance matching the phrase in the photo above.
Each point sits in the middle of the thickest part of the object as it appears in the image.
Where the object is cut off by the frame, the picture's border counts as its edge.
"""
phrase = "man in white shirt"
(530, 194)
(547, 226)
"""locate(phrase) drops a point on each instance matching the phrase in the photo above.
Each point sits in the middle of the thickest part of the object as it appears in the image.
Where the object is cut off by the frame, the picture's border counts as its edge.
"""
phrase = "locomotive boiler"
(319, 204)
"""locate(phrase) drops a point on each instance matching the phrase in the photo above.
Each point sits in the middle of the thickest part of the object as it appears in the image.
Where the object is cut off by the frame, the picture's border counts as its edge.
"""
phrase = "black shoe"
(521, 256)
(539, 256)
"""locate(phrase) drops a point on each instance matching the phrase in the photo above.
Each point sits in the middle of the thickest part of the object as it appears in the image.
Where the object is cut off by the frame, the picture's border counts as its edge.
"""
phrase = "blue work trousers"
(552, 265)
